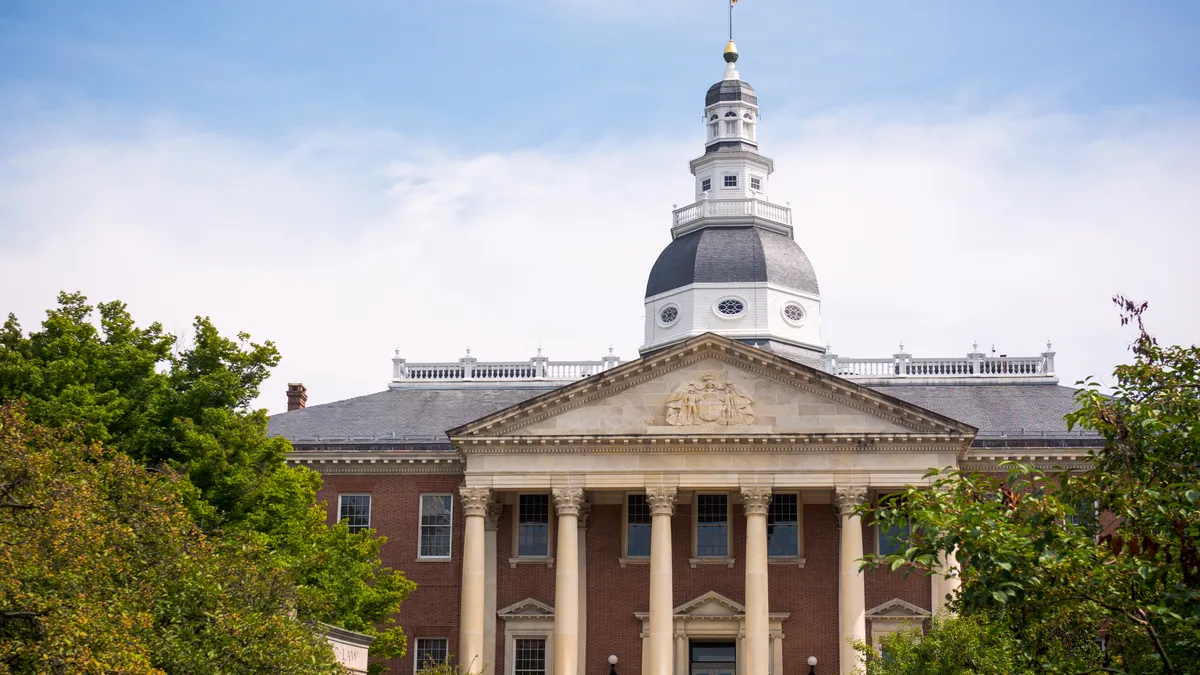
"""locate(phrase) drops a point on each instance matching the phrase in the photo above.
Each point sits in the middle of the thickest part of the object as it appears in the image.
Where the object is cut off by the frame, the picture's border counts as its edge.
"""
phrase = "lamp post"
(812, 665)
(612, 665)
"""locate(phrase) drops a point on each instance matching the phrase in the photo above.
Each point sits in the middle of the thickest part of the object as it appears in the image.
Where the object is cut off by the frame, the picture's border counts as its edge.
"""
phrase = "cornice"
(786, 443)
(378, 463)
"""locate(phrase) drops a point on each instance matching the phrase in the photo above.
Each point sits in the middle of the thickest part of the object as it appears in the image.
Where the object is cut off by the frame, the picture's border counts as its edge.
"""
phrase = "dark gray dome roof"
(730, 255)
(730, 90)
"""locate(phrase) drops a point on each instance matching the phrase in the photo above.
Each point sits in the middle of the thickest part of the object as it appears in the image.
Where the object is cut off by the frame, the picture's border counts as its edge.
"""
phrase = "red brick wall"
(810, 594)
(432, 610)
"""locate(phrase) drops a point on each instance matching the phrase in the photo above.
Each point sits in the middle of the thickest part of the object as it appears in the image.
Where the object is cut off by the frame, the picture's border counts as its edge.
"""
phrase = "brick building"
(691, 511)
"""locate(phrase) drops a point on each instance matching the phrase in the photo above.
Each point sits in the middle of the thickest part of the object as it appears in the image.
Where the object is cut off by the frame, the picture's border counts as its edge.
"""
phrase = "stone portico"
(709, 414)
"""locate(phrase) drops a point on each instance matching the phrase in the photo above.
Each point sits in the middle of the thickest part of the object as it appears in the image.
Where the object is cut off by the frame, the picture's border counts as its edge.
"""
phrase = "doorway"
(712, 657)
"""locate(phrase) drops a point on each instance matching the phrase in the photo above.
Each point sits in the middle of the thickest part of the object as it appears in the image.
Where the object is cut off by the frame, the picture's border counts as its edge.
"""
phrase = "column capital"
(849, 497)
(492, 517)
(755, 500)
(585, 512)
(567, 500)
(662, 500)
(475, 500)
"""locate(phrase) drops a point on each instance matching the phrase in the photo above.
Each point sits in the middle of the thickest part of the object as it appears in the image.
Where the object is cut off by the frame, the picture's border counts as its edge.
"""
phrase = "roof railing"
(468, 369)
(975, 365)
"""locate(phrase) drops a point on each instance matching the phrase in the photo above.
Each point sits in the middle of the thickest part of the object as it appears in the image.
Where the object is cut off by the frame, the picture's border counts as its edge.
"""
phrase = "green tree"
(1093, 570)
(103, 570)
(187, 409)
(954, 646)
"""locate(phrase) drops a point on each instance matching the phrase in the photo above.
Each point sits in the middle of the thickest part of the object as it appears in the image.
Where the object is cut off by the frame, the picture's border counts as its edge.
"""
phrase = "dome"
(730, 90)
(732, 255)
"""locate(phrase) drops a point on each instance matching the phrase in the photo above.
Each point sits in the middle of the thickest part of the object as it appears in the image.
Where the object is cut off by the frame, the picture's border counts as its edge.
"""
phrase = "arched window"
(729, 114)
(748, 116)
(713, 117)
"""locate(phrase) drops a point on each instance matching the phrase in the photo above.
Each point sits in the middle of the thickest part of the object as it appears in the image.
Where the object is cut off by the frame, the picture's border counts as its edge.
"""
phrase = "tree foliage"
(1092, 570)
(103, 570)
(954, 646)
(186, 408)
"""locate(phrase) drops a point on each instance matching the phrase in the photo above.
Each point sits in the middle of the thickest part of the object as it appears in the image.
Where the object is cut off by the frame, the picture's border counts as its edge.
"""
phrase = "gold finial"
(731, 53)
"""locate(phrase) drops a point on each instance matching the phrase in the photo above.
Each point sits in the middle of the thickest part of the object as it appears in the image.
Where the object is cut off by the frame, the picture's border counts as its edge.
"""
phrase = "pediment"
(708, 386)
(711, 604)
(898, 610)
(526, 608)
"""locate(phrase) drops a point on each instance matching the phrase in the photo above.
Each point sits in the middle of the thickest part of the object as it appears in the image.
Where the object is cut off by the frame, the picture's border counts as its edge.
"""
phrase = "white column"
(945, 583)
(662, 592)
(852, 597)
(585, 510)
(491, 523)
(470, 641)
(566, 581)
(755, 501)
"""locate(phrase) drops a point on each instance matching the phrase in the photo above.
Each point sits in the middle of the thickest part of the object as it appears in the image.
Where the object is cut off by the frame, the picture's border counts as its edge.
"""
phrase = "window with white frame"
(355, 511)
(731, 128)
(529, 656)
(431, 652)
(712, 130)
(637, 526)
(435, 526)
(755, 183)
(533, 526)
(706, 185)
(783, 525)
(731, 180)
(712, 526)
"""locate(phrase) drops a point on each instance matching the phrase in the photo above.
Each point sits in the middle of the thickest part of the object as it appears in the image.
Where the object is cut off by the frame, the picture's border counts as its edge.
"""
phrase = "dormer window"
(731, 180)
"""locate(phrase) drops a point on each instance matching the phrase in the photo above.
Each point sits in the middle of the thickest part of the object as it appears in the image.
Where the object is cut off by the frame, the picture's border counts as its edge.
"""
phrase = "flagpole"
(731, 19)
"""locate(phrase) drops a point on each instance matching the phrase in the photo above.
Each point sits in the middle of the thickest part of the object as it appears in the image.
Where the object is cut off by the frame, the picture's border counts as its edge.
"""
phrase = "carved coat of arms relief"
(708, 401)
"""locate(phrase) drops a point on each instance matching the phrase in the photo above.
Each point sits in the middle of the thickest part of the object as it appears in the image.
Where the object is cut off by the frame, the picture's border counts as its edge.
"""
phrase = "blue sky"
(485, 74)
(349, 178)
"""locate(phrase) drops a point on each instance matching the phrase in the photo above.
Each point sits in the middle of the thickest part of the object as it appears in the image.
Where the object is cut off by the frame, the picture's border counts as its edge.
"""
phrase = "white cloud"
(1007, 229)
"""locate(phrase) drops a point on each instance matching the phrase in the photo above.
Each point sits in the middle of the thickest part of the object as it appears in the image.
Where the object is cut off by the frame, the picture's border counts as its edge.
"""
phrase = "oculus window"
(712, 526)
(637, 526)
(793, 312)
(783, 526)
(533, 526)
(668, 315)
(435, 526)
(731, 307)
(431, 652)
(355, 511)
(530, 656)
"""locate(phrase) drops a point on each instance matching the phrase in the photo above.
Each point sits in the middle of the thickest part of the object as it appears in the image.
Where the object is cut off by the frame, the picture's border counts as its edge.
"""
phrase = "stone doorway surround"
(713, 616)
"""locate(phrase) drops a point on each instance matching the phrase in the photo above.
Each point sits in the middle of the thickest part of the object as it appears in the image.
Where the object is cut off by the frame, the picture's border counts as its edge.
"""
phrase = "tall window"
(533, 526)
(530, 656)
(431, 652)
(892, 539)
(637, 527)
(731, 180)
(712, 526)
(731, 128)
(355, 511)
(712, 130)
(783, 526)
(435, 526)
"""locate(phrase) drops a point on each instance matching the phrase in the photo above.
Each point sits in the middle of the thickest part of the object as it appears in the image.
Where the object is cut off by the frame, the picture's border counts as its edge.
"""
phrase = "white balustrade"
(730, 208)
(972, 366)
(467, 369)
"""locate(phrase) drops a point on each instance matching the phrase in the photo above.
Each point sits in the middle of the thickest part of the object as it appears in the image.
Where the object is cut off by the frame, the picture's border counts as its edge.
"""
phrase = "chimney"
(297, 396)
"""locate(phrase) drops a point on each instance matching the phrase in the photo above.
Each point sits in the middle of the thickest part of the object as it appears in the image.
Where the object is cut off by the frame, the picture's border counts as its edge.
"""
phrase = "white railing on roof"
(469, 369)
(732, 208)
(974, 365)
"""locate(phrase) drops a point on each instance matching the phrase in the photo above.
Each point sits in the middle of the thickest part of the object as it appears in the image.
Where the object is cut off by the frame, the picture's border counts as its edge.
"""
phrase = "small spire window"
(731, 113)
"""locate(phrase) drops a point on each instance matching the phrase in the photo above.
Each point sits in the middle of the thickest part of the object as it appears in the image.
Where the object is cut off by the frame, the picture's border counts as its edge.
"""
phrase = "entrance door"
(712, 658)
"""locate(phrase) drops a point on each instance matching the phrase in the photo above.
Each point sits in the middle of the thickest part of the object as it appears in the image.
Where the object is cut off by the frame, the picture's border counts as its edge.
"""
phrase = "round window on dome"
(730, 307)
(668, 315)
(793, 312)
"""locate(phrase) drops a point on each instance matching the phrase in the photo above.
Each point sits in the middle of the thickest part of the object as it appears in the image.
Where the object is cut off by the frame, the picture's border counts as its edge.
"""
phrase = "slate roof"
(732, 254)
(730, 90)
(1006, 415)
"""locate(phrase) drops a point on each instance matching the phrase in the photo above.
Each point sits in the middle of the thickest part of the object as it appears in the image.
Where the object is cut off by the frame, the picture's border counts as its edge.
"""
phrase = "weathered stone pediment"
(898, 610)
(710, 604)
(710, 386)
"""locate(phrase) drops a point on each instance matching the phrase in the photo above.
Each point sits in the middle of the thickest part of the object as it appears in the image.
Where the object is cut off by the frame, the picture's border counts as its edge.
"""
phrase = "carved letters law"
(709, 402)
